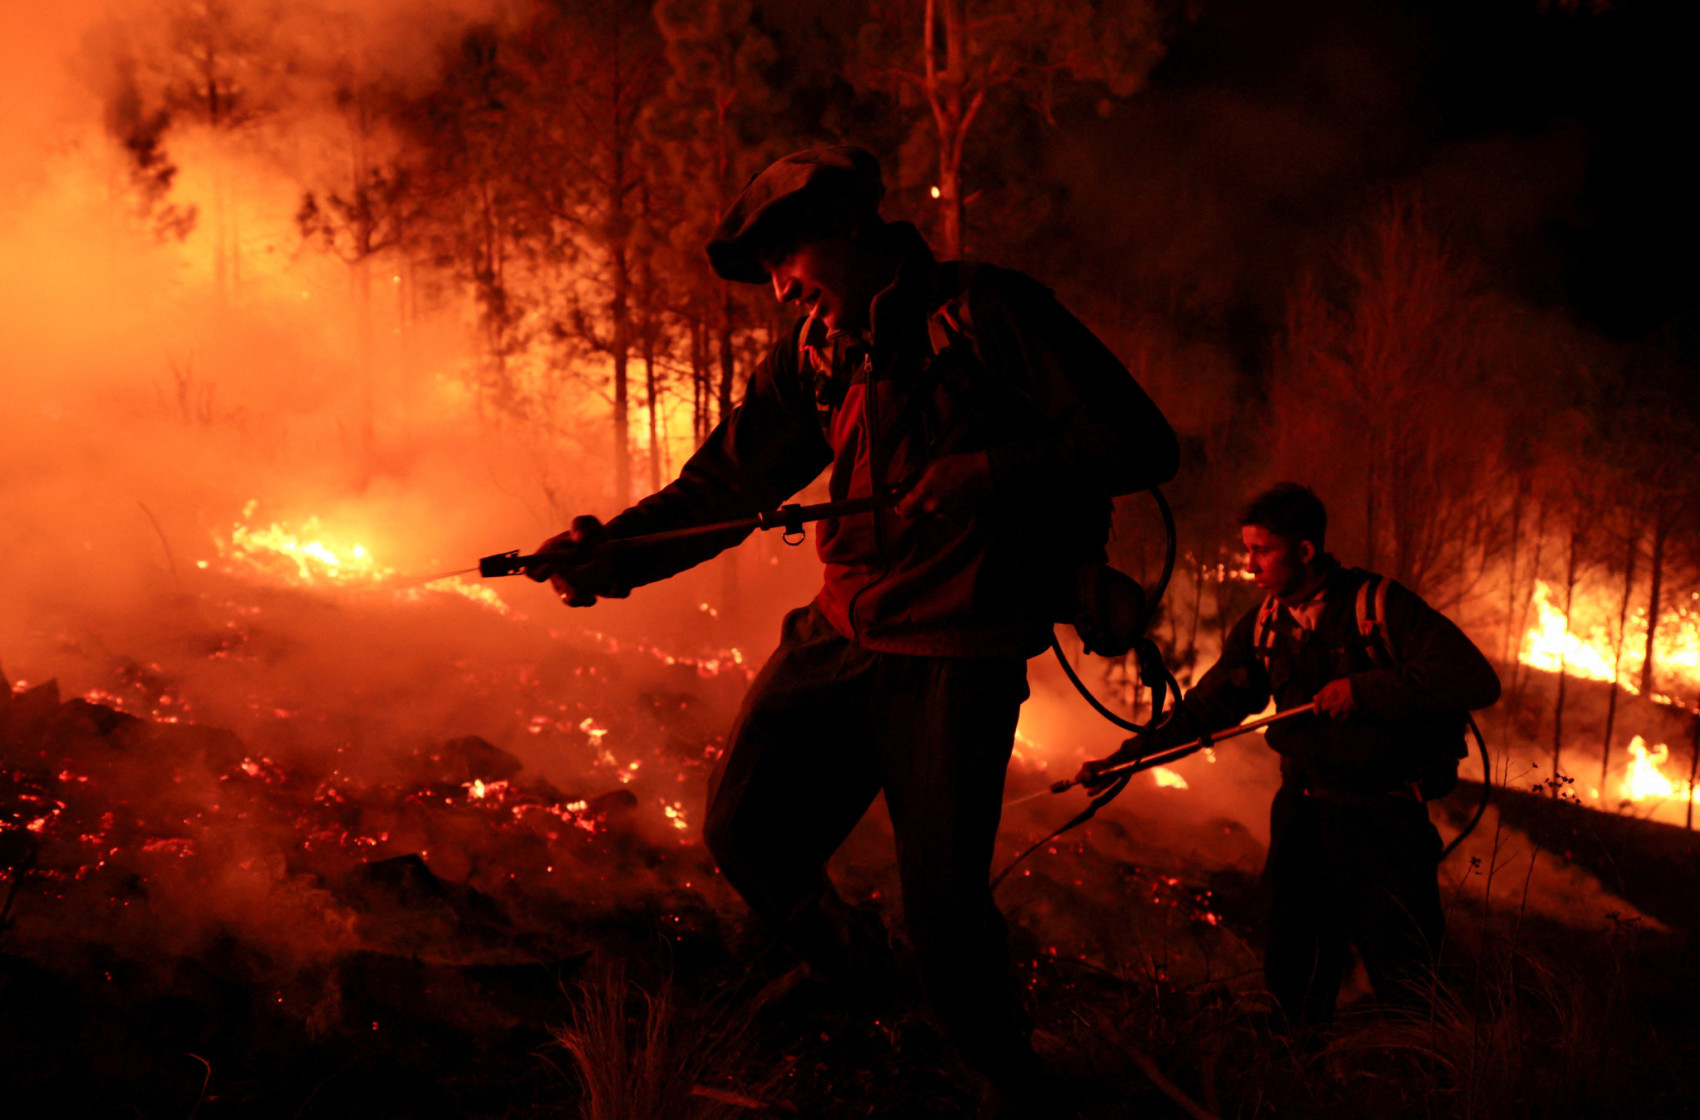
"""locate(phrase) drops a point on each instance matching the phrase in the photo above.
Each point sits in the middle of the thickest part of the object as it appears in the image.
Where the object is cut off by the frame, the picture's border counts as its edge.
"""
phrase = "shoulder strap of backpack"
(1372, 621)
(1263, 637)
(815, 372)
(812, 358)
(954, 319)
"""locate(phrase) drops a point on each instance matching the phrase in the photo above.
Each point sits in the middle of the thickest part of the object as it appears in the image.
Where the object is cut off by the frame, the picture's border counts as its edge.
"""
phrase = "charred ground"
(201, 926)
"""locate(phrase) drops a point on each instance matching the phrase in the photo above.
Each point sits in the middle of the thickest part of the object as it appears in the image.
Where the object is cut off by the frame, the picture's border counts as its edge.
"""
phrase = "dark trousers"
(826, 726)
(1351, 874)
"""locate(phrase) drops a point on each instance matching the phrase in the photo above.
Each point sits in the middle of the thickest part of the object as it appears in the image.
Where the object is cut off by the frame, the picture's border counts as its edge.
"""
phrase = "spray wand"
(1116, 777)
(1173, 754)
(790, 518)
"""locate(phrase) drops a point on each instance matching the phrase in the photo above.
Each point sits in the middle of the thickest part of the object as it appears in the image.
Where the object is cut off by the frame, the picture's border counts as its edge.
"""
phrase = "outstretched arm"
(1234, 688)
(769, 447)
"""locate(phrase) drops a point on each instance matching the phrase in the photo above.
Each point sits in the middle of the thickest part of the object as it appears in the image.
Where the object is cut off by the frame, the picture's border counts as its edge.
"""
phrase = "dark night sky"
(1627, 80)
(1549, 144)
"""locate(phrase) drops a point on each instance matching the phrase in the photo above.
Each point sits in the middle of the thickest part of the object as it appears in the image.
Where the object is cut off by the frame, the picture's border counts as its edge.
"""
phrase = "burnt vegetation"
(1423, 258)
(447, 933)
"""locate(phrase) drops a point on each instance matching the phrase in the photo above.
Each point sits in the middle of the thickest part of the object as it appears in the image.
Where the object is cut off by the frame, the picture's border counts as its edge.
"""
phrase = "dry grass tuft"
(639, 1055)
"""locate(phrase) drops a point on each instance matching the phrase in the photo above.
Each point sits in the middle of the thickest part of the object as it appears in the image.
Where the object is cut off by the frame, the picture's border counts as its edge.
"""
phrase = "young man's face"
(1279, 565)
(828, 278)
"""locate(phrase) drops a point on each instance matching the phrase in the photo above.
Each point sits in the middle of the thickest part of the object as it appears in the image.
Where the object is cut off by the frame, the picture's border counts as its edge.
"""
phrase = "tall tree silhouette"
(591, 70)
(1379, 367)
(714, 129)
(948, 61)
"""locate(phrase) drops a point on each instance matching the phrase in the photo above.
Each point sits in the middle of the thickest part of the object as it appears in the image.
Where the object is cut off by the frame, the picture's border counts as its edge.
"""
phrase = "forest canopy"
(1432, 320)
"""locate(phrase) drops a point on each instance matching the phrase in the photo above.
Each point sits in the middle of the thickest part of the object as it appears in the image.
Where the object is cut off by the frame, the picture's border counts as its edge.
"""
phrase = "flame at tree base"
(1644, 779)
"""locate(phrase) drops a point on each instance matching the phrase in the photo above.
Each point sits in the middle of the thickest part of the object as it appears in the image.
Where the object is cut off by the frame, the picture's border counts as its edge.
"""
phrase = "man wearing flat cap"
(1006, 427)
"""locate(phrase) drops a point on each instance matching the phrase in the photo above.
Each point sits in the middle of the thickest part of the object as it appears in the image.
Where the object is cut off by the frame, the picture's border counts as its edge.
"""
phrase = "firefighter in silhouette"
(1006, 427)
(1352, 855)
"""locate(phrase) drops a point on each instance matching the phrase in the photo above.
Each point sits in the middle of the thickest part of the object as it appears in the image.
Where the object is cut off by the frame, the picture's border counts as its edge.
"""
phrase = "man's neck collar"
(912, 270)
(1318, 574)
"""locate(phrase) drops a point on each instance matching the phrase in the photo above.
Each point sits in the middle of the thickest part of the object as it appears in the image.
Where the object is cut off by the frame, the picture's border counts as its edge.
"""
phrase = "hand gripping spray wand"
(791, 518)
(1173, 754)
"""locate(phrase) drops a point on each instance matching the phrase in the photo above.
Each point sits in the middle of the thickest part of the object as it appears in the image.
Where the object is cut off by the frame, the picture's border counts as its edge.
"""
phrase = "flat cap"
(802, 187)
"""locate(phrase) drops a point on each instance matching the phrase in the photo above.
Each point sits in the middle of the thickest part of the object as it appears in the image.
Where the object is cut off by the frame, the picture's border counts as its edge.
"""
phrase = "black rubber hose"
(1109, 794)
(1168, 551)
(1153, 601)
(1487, 790)
(1086, 693)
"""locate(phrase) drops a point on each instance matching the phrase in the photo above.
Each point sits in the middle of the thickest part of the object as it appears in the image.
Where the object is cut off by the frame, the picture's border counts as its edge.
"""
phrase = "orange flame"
(1590, 653)
(310, 555)
(1644, 778)
(1550, 645)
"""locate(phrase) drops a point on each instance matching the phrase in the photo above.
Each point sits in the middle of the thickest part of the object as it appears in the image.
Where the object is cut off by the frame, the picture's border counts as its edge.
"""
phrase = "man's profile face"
(1278, 564)
(822, 277)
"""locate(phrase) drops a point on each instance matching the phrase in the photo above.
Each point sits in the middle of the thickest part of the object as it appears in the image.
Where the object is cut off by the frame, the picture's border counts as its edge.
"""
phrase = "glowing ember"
(711, 666)
(1027, 749)
(1168, 779)
(455, 585)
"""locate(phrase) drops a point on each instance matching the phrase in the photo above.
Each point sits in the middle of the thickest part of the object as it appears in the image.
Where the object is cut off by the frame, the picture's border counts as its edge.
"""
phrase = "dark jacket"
(1407, 715)
(1063, 424)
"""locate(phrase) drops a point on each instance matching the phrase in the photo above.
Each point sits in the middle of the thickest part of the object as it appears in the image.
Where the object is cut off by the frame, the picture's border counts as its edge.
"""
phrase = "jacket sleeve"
(769, 447)
(1233, 688)
(1096, 424)
(1438, 669)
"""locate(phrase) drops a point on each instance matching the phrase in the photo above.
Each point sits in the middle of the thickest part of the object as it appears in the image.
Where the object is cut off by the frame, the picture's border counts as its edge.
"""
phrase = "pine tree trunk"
(1617, 652)
(731, 593)
(700, 395)
(648, 317)
(1513, 639)
(1563, 672)
(1661, 530)
(654, 408)
(1528, 600)
(950, 206)
(1197, 610)
(1693, 766)
(620, 311)
(728, 363)
(953, 115)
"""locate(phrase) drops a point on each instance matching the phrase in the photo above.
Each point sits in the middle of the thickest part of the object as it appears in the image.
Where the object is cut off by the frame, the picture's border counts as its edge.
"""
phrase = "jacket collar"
(1327, 589)
(904, 302)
